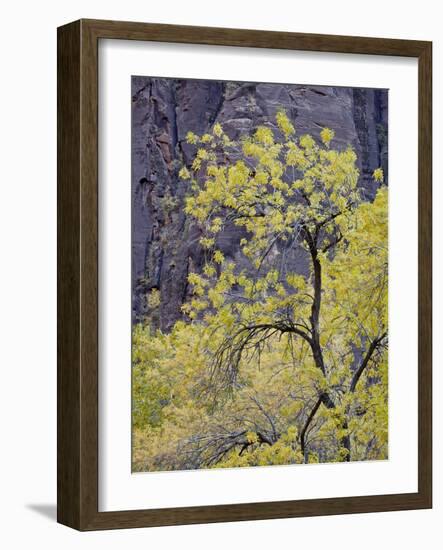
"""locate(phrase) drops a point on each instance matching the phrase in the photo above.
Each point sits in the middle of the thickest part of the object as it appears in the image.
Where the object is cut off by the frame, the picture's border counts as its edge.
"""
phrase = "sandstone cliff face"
(165, 245)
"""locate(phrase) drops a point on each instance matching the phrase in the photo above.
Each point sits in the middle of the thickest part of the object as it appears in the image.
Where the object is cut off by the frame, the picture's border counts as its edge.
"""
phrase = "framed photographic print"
(244, 275)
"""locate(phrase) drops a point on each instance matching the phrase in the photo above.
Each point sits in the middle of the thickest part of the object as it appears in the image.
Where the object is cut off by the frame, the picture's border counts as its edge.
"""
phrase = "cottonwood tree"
(287, 193)
(290, 333)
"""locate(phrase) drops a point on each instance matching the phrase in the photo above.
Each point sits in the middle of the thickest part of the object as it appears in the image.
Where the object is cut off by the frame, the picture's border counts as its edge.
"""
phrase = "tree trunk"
(317, 353)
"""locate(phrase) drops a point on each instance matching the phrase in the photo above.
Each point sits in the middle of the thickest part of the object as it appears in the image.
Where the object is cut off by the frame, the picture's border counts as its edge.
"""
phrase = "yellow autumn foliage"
(272, 365)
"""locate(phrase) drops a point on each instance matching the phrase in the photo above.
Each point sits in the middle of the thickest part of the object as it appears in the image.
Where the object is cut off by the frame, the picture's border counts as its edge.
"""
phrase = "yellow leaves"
(215, 297)
(291, 217)
(342, 454)
(217, 130)
(378, 175)
(327, 135)
(273, 188)
(277, 220)
(296, 281)
(291, 434)
(296, 157)
(290, 411)
(196, 164)
(213, 170)
(298, 184)
(227, 142)
(284, 123)
(190, 205)
(272, 276)
(264, 135)
(198, 282)
(216, 225)
(184, 173)
(154, 298)
(230, 201)
(341, 203)
(226, 317)
(202, 154)
(252, 149)
(191, 138)
(328, 179)
(313, 458)
(261, 177)
(261, 285)
(280, 289)
(251, 437)
(198, 305)
(316, 199)
(209, 270)
(284, 391)
(243, 280)
(306, 185)
(277, 183)
(307, 142)
(247, 196)
(348, 155)
(275, 168)
(218, 257)
(207, 242)
(227, 275)
(196, 279)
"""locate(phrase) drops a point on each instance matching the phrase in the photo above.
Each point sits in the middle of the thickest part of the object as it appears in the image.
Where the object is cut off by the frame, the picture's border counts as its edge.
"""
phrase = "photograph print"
(259, 274)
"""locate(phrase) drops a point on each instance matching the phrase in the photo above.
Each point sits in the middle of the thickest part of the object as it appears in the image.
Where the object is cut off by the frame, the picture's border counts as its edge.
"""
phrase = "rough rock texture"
(165, 245)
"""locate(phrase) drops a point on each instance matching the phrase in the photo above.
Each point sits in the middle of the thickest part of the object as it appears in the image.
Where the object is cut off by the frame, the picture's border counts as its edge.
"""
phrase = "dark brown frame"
(77, 456)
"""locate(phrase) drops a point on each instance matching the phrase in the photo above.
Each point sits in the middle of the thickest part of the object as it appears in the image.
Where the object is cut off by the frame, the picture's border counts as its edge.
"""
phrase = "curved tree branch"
(307, 424)
(365, 361)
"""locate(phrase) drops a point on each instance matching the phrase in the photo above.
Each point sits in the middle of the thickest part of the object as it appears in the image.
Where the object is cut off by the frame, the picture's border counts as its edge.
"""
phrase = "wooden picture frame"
(78, 274)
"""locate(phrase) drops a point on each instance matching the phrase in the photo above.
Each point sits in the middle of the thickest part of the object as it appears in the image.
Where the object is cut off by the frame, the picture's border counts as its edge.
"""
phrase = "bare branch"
(307, 424)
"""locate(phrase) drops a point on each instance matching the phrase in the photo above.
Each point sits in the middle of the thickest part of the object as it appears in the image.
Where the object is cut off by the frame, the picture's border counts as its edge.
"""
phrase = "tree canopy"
(281, 356)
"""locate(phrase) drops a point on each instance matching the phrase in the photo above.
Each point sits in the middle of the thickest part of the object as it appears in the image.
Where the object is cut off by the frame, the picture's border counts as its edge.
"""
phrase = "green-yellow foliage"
(235, 384)
(378, 175)
(154, 298)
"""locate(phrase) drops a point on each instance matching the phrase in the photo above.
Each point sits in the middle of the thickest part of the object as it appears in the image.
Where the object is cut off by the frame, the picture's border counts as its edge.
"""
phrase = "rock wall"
(165, 247)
